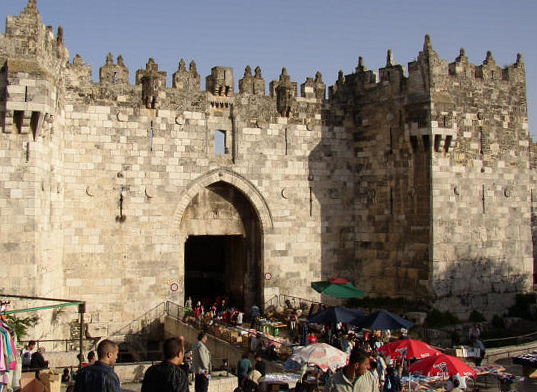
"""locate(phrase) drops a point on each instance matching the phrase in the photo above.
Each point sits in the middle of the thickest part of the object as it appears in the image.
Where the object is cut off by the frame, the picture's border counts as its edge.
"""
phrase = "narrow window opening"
(151, 134)
(391, 201)
(414, 143)
(437, 140)
(481, 141)
(483, 199)
(34, 122)
(114, 78)
(426, 142)
(311, 201)
(447, 144)
(219, 142)
(18, 117)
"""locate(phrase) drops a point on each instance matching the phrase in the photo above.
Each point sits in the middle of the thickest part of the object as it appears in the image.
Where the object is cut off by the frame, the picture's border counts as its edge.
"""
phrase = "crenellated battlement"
(220, 84)
(35, 40)
(426, 73)
(423, 73)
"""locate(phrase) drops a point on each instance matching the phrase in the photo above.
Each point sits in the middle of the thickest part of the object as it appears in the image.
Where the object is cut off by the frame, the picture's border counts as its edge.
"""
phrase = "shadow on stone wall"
(479, 283)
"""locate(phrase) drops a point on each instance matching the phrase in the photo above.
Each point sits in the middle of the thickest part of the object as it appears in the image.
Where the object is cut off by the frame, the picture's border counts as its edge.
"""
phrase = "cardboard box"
(30, 384)
(51, 382)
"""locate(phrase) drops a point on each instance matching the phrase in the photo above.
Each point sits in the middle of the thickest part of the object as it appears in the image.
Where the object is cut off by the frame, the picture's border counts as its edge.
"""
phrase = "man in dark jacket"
(38, 361)
(167, 376)
(100, 376)
(260, 365)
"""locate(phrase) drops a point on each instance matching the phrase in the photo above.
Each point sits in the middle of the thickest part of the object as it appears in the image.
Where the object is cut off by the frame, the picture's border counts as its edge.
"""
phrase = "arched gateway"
(222, 219)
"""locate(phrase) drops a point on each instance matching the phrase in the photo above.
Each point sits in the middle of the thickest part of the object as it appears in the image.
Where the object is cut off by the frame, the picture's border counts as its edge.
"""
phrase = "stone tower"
(32, 73)
(437, 170)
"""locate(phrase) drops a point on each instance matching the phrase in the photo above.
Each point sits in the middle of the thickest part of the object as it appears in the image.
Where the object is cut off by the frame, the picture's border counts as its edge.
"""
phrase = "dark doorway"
(215, 266)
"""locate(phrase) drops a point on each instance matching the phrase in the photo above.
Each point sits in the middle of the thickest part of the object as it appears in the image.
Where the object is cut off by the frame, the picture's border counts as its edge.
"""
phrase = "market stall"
(273, 382)
(528, 362)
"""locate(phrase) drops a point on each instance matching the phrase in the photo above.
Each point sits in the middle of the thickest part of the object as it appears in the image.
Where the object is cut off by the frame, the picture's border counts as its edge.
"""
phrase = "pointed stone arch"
(235, 179)
(240, 262)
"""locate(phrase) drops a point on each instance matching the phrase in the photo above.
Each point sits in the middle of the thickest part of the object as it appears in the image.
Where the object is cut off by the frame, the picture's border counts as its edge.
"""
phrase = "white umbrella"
(321, 355)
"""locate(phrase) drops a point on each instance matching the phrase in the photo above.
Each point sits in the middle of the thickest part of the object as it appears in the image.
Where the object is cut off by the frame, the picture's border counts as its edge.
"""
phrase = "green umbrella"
(338, 288)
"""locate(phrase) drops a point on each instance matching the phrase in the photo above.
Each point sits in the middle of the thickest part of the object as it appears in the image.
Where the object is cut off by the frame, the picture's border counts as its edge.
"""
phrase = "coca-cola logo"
(442, 367)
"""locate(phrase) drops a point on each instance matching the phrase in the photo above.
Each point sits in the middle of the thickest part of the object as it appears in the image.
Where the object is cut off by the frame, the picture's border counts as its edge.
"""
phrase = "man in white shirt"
(201, 364)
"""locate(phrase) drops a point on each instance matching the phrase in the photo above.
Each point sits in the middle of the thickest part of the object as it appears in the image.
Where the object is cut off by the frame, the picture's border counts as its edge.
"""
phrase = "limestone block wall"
(387, 236)
(31, 183)
(482, 185)
(128, 170)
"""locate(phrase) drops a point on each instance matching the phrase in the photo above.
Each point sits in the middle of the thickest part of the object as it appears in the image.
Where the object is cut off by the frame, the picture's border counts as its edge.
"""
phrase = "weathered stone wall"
(149, 158)
(426, 145)
(387, 235)
(381, 183)
(482, 185)
(31, 163)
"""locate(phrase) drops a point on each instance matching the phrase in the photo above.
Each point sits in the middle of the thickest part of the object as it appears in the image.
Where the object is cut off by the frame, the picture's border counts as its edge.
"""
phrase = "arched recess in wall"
(221, 222)
(238, 181)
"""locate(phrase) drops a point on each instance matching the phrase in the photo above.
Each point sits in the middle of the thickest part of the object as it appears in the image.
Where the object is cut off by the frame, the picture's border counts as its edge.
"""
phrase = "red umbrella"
(408, 349)
(441, 365)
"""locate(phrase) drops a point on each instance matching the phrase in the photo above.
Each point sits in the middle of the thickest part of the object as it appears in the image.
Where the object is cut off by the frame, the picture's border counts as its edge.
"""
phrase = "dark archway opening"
(215, 267)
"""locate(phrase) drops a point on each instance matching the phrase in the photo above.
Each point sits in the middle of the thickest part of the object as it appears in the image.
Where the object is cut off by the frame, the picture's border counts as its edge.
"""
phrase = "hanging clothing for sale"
(10, 373)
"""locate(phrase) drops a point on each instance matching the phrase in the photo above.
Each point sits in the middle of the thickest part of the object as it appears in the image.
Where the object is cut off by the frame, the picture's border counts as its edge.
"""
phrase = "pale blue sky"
(303, 36)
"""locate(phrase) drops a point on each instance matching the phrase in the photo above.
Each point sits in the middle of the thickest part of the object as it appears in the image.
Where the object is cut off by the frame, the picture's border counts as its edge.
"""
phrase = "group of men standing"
(166, 376)
(170, 376)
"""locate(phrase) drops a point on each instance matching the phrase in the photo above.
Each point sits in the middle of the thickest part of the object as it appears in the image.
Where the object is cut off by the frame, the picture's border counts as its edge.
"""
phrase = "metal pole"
(38, 308)
(81, 311)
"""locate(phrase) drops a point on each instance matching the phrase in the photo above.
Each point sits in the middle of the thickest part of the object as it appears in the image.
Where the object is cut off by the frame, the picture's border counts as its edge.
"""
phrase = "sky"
(302, 36)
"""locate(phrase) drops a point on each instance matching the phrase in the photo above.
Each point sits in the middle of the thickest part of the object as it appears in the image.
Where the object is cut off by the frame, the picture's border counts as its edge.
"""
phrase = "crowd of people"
(218, 311)
(367, 369)
(170, 375)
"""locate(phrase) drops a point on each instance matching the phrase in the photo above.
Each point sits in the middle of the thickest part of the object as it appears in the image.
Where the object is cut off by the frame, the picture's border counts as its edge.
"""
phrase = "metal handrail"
(137, 321)
(270, 301)
(74, 341)
(295, 300)
(510, 337)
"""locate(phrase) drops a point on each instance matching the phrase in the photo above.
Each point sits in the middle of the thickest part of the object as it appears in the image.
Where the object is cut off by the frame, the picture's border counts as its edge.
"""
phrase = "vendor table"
(271, 328)
(528, 362)
(273, 382)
